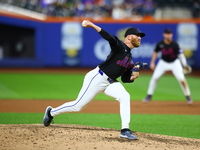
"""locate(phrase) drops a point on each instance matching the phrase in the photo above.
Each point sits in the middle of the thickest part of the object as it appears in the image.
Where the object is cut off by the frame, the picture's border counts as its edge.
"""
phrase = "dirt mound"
(78, 137)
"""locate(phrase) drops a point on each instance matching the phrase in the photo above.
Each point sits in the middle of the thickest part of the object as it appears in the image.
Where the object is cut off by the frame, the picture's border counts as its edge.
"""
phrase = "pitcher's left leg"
(117, 91)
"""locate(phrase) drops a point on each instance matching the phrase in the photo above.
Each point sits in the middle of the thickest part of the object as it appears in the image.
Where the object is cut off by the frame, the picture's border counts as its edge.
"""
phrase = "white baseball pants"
(177, 71)
(94, 83)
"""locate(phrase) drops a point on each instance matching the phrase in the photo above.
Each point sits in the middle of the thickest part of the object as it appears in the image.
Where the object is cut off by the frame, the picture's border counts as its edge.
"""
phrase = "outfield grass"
(67, 87)
(174, 125)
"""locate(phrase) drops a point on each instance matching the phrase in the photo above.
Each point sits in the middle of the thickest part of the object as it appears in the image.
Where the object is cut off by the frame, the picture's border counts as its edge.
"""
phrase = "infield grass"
(173, 125)
(67, 87)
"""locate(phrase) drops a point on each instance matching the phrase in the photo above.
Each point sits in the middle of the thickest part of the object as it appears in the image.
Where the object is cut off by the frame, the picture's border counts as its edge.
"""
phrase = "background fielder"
(103, 78)
(171, 59)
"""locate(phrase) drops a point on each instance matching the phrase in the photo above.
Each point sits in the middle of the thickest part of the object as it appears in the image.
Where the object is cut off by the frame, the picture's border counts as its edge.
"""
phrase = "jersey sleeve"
(179, 50)
(157, 48)
(107, 36)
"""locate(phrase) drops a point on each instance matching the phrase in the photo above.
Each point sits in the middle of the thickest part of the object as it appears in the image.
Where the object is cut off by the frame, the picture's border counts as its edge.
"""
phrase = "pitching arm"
(88, 24)
(107, 36)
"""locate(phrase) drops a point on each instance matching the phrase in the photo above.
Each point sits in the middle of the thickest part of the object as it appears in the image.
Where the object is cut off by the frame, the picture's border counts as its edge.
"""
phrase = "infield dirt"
(79, 137)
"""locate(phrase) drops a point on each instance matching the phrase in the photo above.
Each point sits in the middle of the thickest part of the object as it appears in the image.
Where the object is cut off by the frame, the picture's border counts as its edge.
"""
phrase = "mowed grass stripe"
(67, 87)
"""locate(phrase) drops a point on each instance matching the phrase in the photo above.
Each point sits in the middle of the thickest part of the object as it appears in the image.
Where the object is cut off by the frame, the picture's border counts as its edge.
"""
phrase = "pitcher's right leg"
(93, 84)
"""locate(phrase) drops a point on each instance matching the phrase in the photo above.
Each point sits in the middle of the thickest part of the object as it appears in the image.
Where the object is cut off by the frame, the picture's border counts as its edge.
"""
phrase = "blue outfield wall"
(59, 44)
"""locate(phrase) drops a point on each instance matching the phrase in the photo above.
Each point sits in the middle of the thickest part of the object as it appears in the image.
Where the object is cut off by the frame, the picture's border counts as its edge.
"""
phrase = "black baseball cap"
(134, 31)
(167, 30)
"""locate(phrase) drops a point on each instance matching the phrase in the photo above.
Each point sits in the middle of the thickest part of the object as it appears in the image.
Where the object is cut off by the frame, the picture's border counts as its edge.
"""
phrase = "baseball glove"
(126, 76)
(187, 69)
(141, 65)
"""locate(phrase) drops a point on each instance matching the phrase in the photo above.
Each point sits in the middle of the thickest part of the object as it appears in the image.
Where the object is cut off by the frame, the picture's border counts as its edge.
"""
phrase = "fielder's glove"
(187, 69)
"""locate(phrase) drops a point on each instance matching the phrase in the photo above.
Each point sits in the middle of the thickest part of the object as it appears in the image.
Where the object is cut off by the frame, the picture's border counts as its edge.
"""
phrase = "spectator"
(30, 4)
(118, 12)
(137, 6)
(148, 8)
(196, 8)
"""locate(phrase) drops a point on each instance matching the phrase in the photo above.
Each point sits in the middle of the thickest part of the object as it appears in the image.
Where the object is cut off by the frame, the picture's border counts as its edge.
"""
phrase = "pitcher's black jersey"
(119, 59)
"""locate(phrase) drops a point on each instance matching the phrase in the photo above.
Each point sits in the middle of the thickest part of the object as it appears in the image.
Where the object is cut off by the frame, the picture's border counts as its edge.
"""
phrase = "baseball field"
(167, 122)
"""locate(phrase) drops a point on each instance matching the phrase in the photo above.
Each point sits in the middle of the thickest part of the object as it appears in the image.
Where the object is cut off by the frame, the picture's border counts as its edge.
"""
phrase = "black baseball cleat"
(147, 99)
(189, 100)
(126, 133)
(47, 117)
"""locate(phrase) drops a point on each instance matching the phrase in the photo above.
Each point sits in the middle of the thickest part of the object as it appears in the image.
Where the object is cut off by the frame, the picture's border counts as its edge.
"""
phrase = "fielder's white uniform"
(170, 61)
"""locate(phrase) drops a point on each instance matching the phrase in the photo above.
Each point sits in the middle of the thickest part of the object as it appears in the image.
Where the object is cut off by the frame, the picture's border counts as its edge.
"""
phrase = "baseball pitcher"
(103, 78)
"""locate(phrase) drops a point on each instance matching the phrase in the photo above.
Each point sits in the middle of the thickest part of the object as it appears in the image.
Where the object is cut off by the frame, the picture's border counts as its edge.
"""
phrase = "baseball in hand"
(84, 23)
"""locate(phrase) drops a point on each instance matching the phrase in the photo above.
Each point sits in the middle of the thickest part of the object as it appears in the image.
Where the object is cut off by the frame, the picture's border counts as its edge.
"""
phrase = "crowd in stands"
(196, 8)
(117, 9)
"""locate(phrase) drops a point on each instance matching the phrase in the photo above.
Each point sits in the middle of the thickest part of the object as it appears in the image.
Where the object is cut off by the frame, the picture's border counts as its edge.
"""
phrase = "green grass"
(167, 88)
(67, 87)
(174, 125)
(39, 86)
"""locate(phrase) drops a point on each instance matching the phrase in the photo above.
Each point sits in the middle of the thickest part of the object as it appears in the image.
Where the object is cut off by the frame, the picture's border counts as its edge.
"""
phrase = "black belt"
(109, 79)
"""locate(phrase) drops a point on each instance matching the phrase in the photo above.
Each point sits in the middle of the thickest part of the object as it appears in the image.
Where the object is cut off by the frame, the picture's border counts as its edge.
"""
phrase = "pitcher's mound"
(79, 137)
